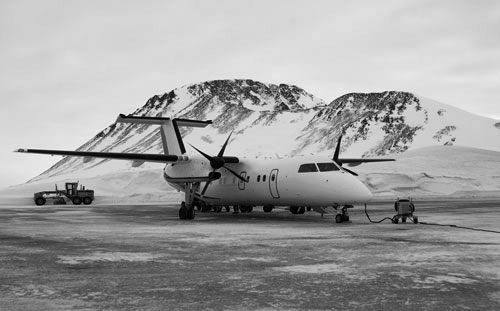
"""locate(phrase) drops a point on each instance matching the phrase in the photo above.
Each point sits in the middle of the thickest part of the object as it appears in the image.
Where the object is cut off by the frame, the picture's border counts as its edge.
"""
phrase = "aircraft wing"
(358, 161)
(163, 158)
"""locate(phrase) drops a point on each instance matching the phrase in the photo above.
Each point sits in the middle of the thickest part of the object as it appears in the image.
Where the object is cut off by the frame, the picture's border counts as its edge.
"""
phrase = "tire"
(77, 201)
(294, 209)
(183, 211)
(87, 201)
(40, 201)
(249, 209)
(301, 210)
(308, 208)
(339, 218)
(190, 213)
(267, 208)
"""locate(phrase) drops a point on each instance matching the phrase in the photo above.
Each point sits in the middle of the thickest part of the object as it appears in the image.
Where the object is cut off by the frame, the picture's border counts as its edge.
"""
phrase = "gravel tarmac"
(142, 257)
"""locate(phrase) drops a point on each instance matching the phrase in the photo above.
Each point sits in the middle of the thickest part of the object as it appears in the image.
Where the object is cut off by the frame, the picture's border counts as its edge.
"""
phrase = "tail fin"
(170, 134)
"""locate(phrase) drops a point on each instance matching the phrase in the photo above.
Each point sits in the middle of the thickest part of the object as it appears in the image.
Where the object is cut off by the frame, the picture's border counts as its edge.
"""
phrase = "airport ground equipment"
(71, 192)
(404, 209)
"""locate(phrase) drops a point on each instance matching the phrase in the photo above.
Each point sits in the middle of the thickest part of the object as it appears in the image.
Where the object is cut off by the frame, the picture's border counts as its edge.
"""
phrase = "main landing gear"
(186, 212)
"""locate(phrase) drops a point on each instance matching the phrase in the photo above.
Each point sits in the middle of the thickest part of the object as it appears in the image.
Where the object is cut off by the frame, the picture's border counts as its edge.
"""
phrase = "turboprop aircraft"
(220, 180)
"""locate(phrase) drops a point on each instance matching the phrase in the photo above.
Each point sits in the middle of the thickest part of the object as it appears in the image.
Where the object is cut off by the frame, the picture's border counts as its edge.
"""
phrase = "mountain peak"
(285, 119)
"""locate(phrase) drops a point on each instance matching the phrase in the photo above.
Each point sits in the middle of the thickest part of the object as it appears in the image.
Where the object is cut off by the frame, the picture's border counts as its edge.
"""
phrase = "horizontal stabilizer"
(162, 158)
(160, 121)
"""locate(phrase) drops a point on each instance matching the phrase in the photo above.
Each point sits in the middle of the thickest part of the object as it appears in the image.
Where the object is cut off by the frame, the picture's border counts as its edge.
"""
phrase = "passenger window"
(307, 168)
(327, 167)
(258, 178)
(264, 178)
(272, 177)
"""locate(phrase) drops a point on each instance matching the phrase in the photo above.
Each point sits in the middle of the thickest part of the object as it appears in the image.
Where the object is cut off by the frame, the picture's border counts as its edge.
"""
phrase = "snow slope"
(282, 120)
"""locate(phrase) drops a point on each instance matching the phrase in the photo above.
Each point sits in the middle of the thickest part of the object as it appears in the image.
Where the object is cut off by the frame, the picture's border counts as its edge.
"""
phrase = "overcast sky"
(68, 68)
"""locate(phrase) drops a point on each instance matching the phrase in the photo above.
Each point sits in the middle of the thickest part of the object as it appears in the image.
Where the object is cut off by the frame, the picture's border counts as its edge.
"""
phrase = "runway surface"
(141, 257)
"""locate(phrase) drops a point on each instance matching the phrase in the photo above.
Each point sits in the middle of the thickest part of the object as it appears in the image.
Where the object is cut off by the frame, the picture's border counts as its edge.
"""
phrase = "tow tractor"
(71, 192)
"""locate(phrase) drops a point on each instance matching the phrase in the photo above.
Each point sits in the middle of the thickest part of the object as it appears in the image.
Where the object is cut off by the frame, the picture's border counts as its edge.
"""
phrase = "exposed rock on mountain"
(285, 120)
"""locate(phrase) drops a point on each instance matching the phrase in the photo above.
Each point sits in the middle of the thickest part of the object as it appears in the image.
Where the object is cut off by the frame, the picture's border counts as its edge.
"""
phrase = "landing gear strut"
(186, 212)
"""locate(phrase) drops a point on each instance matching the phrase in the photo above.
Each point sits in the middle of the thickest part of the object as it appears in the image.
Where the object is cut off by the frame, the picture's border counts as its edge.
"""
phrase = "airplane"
(314, 182)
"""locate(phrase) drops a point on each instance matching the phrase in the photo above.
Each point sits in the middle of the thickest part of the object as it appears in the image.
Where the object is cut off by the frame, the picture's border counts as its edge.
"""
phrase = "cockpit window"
(327, 167)
(307, 168)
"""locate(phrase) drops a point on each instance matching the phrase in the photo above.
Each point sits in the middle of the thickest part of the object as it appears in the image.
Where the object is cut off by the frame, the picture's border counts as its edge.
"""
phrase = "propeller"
(336, 157)
(217, 162)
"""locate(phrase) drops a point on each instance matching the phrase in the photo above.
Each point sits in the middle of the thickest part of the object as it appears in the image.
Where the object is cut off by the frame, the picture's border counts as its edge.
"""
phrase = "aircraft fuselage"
(278, 182)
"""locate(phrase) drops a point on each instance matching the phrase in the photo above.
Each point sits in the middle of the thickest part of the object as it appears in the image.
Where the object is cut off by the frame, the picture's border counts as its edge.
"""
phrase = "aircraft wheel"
(40, 201)
(294, 209)
(228, 208)
(77, 201)
(395, 220)
(301, 210)
(87, 200)
(190, 213)
(243, 209)
(308, 208)
(249, 209)
(183, 211)
(267, 208)
(338, 218)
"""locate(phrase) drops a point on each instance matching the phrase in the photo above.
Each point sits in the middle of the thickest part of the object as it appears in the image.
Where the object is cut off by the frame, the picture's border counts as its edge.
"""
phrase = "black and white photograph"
(249, 155)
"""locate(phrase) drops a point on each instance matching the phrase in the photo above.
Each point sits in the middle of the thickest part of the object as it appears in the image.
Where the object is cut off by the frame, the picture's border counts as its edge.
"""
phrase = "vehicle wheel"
(87, 200)
(190, 213)
(40, 201)
(338, 218)
(249, 209)
(267, 208)
(243, 209)
(395, 220)
(294, 209)
(183, 211)
(77, 201)
(346, 218)
(301, 210)
(415, 219)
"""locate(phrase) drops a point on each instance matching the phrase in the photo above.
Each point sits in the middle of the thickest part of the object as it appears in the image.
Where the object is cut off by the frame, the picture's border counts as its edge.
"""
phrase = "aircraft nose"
(363, 194)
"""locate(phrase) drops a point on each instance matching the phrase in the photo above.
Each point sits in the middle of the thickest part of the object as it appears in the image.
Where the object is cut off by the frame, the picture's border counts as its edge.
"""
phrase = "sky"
(68, 68)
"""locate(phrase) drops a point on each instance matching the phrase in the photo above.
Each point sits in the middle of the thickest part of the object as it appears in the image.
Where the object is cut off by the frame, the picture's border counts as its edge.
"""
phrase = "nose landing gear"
(342, 214)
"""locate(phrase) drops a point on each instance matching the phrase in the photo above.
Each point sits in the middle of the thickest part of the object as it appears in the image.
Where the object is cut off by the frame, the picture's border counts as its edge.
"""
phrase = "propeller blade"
(221, 152)
(235, 174)
(349, 171)
(337, 151)
(205, 188)
(203, 153)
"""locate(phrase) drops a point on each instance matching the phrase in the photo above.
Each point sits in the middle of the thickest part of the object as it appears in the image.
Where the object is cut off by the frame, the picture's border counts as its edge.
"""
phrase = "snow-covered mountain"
(283, 120)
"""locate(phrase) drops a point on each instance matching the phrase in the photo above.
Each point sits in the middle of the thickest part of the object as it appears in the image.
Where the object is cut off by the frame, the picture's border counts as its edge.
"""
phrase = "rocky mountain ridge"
(285, 120)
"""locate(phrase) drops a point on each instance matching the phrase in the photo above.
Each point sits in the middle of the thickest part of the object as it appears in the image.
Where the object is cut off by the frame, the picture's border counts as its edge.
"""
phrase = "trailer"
(71, 193)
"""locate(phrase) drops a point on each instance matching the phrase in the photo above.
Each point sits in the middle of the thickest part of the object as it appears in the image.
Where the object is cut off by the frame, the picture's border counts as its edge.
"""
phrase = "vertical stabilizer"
(169, 129)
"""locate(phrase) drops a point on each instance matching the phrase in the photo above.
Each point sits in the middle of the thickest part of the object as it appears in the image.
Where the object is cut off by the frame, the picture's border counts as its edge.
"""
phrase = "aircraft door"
(241, 184)
(273, 184)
